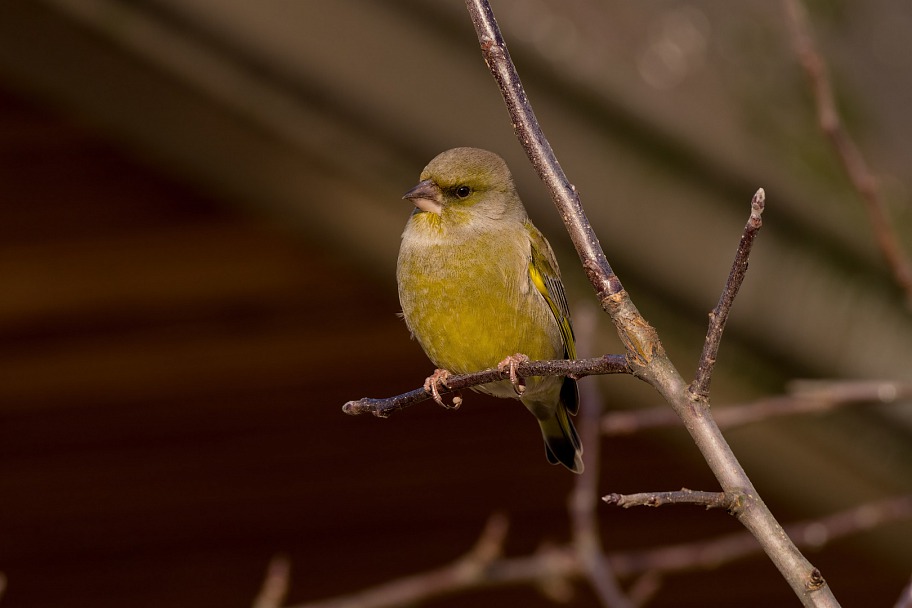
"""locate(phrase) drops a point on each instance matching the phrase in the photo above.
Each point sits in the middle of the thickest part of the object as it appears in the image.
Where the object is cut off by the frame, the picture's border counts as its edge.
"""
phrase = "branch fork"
(645, 358)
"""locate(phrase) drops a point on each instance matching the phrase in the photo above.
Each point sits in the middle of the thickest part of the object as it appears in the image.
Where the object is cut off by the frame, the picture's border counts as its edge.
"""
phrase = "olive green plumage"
(478, 283)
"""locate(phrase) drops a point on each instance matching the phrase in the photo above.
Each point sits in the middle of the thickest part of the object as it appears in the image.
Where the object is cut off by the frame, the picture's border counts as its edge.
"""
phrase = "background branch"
(583, 501)
(905, 597)
(705, 555)
(275, 584)
(483, 568)
(849, 155)
(805, 397)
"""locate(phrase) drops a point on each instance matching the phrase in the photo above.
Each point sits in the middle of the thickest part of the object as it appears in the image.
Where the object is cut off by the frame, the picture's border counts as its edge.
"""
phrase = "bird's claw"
(432, 386)
(511, 363)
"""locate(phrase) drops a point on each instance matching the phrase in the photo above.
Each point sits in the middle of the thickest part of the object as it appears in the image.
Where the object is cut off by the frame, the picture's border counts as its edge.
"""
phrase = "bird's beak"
(426, 195)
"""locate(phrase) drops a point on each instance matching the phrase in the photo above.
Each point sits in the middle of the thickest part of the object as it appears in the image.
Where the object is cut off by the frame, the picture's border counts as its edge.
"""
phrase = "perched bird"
(479, 284)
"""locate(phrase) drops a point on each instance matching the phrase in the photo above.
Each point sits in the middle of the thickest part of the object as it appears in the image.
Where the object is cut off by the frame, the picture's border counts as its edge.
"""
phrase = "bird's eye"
(463, 191)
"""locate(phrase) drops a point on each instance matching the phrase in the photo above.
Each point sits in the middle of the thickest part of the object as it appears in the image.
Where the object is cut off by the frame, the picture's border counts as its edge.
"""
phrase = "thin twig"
(849, 155)
(578, 368)
(805, 398)
(709, 500)
(699, 388)
(706, 555)
(583, 501)
(648, 359)
(275, 584)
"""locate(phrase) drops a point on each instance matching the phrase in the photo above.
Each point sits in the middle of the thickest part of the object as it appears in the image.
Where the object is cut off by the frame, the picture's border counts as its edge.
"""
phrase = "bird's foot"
(511, 363)
(433, 384)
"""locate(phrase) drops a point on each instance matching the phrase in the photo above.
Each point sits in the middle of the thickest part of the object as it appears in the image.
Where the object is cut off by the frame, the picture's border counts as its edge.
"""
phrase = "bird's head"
(464, 184)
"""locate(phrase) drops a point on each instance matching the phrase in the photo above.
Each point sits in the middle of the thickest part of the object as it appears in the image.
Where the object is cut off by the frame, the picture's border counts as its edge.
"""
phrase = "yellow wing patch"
(546, 278)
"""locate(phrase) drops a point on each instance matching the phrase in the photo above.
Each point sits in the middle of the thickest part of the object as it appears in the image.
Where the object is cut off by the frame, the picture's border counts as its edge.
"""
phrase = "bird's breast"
(469, 301)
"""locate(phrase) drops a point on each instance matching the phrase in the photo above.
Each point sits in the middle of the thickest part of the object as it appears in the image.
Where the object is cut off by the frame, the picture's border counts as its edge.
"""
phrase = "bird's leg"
(511, 363)
(434, 382)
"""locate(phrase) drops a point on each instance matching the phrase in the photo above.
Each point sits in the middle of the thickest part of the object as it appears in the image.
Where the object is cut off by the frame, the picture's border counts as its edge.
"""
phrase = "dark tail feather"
(562, 443)
(569, 396)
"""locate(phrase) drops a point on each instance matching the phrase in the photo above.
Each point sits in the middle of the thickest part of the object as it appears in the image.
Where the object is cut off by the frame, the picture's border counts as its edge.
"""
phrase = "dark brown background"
(188, 298)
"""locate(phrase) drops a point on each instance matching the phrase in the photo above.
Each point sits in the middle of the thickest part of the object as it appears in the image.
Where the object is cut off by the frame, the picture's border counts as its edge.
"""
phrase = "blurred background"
(199, 221)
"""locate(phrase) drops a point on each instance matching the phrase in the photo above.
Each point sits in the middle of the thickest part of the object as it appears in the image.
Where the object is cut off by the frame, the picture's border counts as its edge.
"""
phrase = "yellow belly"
(473, 305)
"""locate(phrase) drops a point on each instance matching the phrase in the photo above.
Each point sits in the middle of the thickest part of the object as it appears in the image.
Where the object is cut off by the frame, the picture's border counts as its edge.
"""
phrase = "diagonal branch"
(646, 354)
(577, 368)
(704, 555)
(484, 567)
(472, 570)
(805, 397)
(638, 336)
(699, 388)
(275, 585)
(905, 597)
(849, 155)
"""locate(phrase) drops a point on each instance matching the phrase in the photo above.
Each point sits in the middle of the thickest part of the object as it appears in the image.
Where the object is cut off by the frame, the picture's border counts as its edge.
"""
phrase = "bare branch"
(275, 584)
(699, 388)
(472, 570)
(905, 597)
(638, 336)
(482, 567)
(583, 501)
(705, 555)
(645, 351)
(489, 545)
(645, 359)
(849, 155)
(645, 587)
(578, 368)
(805, 397)
(710, 500)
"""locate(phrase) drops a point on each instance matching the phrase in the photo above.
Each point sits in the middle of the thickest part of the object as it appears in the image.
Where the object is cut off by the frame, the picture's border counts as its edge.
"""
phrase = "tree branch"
(710, 500)
(578, 368)
(482, 567)
(583, 501)
(638, 336)
(645, 352)
(905, 597)
(706, 555)
(849, 155)
(699, 388)
(275, 584)
(805, 397)
(472, 570)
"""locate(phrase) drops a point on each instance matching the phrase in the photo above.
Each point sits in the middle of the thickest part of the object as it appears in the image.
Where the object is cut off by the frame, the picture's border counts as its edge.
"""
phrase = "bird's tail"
(562, 444)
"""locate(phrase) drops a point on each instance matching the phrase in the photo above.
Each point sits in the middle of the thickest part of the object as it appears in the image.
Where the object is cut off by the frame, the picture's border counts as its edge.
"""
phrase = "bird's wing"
(544, 273)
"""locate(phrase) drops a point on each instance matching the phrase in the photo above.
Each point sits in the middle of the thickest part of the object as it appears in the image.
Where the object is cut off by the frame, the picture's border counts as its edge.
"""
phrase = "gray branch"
(645, 352)
(578, 368)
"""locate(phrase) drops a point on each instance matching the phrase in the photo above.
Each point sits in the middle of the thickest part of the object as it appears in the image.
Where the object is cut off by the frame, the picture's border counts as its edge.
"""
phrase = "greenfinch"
(480, 288)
